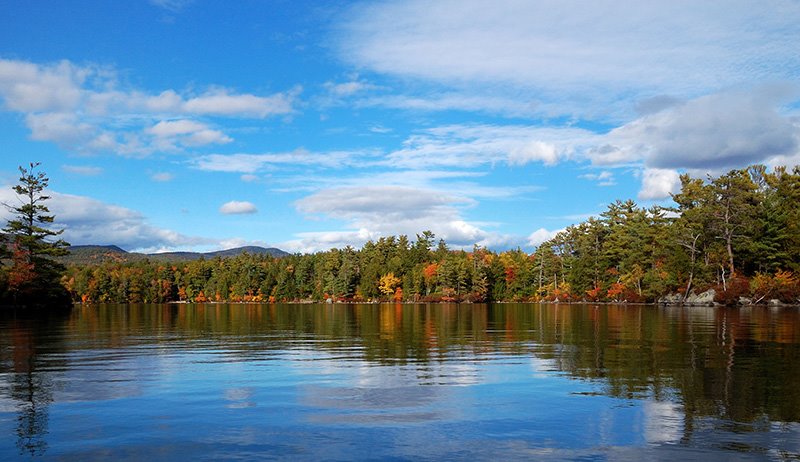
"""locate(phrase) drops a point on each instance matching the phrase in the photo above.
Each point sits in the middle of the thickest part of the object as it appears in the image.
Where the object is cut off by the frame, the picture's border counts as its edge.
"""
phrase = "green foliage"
(33, 276)
(720, 233)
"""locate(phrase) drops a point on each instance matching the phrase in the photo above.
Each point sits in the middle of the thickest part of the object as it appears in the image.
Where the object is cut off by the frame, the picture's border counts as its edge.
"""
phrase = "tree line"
(738, 233)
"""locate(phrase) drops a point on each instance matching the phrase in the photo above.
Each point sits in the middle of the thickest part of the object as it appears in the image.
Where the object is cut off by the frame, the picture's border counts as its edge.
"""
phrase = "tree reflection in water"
(702, 372)
(31, 389)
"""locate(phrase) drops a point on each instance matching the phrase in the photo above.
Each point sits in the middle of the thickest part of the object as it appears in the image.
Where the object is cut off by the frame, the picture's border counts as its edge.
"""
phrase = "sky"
(203, 125)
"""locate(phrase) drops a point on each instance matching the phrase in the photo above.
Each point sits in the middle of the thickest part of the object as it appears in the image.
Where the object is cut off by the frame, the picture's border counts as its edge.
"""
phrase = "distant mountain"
(86, 254)
(95, 254)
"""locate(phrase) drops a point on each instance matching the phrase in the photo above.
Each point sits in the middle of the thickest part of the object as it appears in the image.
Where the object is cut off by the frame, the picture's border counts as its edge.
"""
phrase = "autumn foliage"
(747, 249)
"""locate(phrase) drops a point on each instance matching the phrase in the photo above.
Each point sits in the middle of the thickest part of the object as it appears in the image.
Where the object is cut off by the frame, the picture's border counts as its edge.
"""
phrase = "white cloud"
(221, 102)
(345, 89)
(604, 178)
(85, 170)
(659, 183)
(324, 240)
(380, 129)
(393, 202)
(250, 163)
(27, 87)
(535, 151)
(491, 104)
(238, 208)
(62, 128)
(450, 146)
(90, 221)
(172, 5)
(541, 235)
(576, 56)
(719, 131)
(171, 133)
(467, 146)
(373, 211)
(162, 177)
(86, 109)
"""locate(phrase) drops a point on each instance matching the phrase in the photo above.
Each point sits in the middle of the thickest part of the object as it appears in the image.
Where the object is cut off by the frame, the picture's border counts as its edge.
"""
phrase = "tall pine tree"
(34, 277)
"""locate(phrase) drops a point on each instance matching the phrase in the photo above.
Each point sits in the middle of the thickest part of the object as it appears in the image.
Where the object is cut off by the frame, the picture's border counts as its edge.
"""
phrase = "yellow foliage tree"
(388, 283)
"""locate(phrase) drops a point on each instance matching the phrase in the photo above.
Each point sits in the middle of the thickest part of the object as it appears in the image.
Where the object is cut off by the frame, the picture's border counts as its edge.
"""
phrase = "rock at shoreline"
(703, 299)
(671, 299)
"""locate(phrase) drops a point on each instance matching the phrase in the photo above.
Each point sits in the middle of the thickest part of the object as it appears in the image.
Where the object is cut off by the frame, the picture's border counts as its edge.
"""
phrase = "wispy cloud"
(250, 163)
(469, 146)
(85, 170)
(604, 178)
(576, 58)
(173, 6)
(162, 177)
(453, 101)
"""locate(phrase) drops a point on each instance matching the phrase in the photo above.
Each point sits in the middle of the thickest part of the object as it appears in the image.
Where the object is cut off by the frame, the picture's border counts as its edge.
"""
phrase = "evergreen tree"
(34, 277)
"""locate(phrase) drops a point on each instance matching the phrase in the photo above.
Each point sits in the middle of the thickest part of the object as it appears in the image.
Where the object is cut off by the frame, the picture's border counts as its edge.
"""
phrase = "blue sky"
(200, 125)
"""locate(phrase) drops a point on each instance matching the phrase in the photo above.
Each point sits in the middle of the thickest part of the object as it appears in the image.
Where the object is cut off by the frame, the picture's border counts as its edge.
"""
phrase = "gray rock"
(671, 299)
(745, 301)
(704, 299)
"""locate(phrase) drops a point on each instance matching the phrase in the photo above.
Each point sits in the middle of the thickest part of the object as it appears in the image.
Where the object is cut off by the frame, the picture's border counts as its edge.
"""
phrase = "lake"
(401, 382)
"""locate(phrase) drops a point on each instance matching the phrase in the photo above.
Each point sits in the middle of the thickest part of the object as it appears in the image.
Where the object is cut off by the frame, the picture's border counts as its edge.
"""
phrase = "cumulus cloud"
(88, 221)
(324, 240)
(62, 128)
(541, 235)
(79, 108)
(719, 131)
(169, 134)
(238, 208)
(572, 53)
(659, 183)
(27, 87)
(372, 211)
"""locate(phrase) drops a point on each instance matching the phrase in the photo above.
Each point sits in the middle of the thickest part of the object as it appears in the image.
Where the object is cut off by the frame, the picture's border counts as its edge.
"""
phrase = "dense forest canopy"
(738, 233)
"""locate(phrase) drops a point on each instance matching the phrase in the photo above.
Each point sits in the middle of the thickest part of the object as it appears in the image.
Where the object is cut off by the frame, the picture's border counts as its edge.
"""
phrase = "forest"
(737, 233)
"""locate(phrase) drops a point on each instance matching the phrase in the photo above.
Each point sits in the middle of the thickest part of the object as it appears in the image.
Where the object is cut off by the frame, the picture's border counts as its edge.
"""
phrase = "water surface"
(400, 382)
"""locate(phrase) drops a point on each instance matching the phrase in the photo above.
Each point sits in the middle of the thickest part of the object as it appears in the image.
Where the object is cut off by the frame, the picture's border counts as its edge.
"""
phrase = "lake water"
(401, 382)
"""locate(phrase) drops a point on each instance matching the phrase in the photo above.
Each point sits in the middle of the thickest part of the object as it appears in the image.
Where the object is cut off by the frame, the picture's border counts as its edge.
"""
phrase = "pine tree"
(34, 276)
